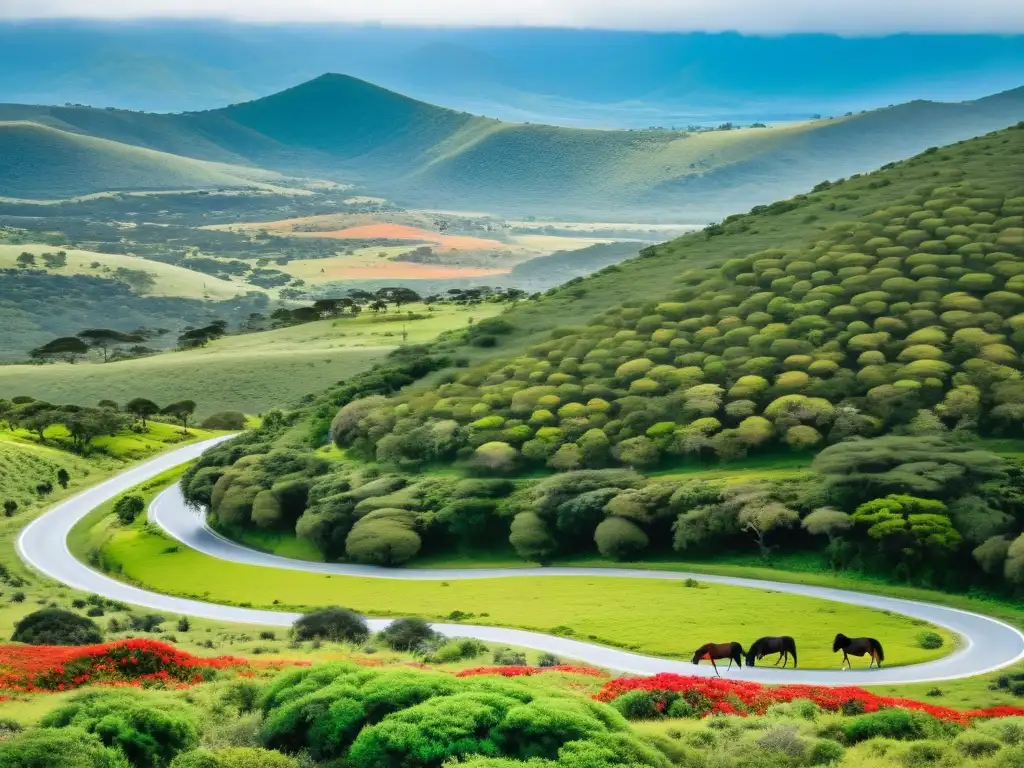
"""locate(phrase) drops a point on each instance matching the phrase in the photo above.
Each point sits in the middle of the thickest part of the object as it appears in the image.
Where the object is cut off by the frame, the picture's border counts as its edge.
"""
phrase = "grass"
(169, 280)
(664, 618)
(249, 373)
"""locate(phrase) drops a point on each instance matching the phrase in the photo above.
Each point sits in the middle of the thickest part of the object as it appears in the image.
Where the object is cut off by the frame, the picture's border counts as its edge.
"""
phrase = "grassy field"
(659, 617)
(169, 280)
(249, 373)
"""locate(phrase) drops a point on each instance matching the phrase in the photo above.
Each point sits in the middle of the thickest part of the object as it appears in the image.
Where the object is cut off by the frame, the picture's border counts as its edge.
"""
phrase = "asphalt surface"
(985, 644)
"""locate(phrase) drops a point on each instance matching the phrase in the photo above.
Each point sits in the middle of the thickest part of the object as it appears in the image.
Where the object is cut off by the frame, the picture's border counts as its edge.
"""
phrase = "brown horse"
(859, 646)
(785, 646)
(712, 651)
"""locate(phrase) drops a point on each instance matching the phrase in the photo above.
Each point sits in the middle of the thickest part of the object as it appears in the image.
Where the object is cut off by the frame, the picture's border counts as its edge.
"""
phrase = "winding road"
(985, 644)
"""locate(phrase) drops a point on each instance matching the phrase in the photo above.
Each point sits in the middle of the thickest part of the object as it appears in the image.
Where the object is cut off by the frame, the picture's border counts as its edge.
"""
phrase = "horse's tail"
(876, 648)
(791, 643)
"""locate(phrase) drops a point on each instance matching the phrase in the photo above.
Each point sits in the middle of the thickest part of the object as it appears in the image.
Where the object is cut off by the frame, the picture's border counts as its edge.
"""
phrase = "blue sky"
(854, 17)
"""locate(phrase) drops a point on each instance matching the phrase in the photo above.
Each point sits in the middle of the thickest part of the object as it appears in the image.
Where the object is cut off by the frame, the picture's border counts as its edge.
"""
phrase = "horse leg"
(785, 659)
(716, 667)
(846, 661)
(730, 664)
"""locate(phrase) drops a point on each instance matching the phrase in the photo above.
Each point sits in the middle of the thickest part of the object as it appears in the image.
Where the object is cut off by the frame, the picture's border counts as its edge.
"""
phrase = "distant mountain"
(37, 161)
(346, 129)
(572, 77)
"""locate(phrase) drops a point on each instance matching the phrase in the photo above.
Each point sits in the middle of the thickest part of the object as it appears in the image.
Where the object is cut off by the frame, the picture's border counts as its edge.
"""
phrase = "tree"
(142, 409)
(26, 260)
(760, 520)
(1014, 568)
(619, 538)
(337, 624)
(637, 452)
(828, 522)
(56, 260)
(530, 537)
(991, 555)
(496, 457)
(68, 348)
(127, 508)
(907, 527)
(398, 296)
(85, 424)
(182, 411)
(104, 338)
(10, 507)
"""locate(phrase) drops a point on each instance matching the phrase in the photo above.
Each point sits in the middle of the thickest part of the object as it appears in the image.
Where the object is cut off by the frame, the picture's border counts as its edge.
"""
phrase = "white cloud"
(754, 16)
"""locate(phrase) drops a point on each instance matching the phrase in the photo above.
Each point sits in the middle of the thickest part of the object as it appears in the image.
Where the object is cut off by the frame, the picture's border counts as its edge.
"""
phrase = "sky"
(852, 17)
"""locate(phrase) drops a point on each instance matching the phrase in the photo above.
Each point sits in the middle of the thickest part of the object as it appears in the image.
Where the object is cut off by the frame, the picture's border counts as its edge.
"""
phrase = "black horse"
(785, 646)
(859, 646)
(712, 651)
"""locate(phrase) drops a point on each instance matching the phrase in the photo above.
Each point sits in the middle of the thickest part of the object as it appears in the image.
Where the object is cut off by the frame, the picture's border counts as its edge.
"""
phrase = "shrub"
(976, 744)
(638, 705)
(234, 757)
(334, 624)
(548, 660)
(382, 541)
(127, 508)
(891, 724)
(149, 734)
(506, 657)
(930, 640)
(406, 634)
(620, 538)
(53, 626)
(232, 420)
(825, 752)
(66, 747)
(531, 539)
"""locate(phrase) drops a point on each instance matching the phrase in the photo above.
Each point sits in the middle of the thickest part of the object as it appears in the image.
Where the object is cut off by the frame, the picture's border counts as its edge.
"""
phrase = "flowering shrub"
(681, 696)
(518, 671)
(139, 663)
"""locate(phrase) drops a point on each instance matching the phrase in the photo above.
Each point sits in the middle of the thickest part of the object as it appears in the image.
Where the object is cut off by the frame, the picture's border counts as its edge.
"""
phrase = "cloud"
(752, 16)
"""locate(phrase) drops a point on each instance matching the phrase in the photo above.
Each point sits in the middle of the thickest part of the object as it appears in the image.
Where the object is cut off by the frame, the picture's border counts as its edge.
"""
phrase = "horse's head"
(752, 655)
(700, 653)
(840, 642)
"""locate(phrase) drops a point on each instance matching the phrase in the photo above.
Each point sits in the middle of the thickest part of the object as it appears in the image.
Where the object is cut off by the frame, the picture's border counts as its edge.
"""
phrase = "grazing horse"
(859, 646)
(712, 651)
(785, 646)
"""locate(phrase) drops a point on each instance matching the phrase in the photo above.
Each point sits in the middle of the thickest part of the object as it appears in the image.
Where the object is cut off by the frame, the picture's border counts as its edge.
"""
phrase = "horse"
(859, 646)
(785, 646)
(712, 651)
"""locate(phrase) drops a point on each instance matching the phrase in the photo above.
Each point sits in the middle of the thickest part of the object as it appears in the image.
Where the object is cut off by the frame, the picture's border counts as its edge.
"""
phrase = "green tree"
(182, 411)
(142, 409)
(761, 520)
(908, 528)
(67, 348)
(129, 507)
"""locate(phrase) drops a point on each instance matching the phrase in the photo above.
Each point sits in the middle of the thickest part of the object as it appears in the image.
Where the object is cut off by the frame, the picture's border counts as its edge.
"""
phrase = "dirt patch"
(401, 270)
(403, 232)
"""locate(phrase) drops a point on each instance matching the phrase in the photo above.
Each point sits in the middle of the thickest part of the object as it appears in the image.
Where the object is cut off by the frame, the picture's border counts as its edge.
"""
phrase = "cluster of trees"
(54, 260)
(927, 509)
(908, 320)
(84, 424)
(109, 343)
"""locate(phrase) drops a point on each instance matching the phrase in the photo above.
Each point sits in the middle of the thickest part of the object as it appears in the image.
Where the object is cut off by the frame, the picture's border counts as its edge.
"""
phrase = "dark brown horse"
(859, 646)
(712, 651)
(785, 646)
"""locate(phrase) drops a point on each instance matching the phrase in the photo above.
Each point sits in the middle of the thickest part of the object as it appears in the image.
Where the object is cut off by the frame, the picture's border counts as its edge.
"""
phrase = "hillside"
(419, 154)
(869, 331)
(44, 162)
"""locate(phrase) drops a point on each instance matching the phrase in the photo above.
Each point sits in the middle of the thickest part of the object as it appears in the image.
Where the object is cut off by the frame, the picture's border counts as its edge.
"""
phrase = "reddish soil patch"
(403, 232)
(394, 270)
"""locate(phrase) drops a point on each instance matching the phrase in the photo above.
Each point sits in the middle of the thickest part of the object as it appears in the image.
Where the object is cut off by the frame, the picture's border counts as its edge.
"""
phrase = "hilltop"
(345, 129)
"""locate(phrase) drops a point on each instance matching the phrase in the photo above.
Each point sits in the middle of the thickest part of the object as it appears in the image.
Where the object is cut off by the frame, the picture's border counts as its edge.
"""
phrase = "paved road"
(985, 644)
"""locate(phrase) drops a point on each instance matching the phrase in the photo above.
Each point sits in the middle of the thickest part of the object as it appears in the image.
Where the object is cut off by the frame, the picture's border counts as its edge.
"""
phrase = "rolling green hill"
(417, 153)
(44, 162)
(870, 330)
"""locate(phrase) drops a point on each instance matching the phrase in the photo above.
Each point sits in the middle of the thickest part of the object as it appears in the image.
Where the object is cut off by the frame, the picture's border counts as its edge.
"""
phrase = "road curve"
(985, 643)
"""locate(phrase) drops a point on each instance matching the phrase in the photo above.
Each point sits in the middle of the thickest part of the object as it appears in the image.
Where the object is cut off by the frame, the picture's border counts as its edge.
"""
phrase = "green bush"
(892, 724)
(406, 634)
(638, 705)
(506, 657)
(976, 745)
(54, 626)
(232, 420)
(127, 508)
(930, 640)
(64, 747)
(335, 624)
(382, 541)
(621, 539)
(148, 731)
(825, 752)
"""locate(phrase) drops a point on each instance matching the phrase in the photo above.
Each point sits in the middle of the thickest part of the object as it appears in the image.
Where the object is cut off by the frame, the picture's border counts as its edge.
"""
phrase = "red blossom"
(522, 671)
(737, 697)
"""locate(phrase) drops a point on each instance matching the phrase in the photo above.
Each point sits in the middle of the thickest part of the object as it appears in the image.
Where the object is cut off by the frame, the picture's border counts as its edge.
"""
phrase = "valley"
(343, 429)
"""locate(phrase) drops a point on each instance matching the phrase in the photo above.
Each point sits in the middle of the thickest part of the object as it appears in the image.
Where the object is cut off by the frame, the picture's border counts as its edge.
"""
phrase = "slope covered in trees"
(877, 321)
